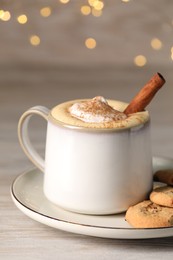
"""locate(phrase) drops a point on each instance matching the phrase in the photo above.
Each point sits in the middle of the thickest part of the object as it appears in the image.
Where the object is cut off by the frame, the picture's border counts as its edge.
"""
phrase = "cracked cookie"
(147, 214)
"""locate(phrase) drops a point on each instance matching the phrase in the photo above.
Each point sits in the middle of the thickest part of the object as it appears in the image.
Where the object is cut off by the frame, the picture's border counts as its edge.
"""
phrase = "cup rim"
(136, 122)
(92, 129)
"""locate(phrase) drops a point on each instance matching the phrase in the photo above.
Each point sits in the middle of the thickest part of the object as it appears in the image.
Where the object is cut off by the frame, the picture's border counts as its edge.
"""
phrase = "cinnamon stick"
(145, 95)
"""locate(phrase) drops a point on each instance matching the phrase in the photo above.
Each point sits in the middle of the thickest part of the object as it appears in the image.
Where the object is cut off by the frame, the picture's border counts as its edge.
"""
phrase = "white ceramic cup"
(91, 171)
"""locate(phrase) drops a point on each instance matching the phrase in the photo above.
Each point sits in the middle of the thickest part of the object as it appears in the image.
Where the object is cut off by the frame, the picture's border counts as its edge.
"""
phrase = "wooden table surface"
(22, 87)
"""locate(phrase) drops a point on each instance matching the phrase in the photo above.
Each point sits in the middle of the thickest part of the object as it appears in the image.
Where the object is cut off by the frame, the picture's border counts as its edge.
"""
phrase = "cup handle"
(24, 137)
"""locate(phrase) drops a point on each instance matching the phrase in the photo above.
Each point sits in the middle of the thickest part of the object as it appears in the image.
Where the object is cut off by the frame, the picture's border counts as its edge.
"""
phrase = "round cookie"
(147, 214)
(162, 196)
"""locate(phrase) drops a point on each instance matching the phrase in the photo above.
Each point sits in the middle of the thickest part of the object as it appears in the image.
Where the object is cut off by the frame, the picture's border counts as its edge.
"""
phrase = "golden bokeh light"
(1, 13)
(85, 10)
(5, 15)
(90, 43)
(125, 1)
(45, 11)
(64, 1)
(92, 2)
(98, 5)
(96, 13)
(156, 44)
(22, 19)
(35, 40)
(140, 60)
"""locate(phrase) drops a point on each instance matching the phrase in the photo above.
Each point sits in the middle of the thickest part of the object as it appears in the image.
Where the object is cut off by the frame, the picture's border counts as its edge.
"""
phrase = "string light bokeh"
(90, 43)
(5, 15)
(45, 11)
(22, 19)
(89, 9)
(35, 40)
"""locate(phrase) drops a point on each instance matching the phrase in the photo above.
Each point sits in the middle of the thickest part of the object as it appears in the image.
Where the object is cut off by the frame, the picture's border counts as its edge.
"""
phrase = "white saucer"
(27, 194)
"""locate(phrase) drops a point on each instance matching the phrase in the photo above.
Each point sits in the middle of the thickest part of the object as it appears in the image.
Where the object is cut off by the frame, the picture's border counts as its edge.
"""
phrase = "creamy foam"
(96, 110)
(96, 113)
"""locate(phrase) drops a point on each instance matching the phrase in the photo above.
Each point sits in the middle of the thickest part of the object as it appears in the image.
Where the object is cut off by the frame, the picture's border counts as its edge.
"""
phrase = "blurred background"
(55, 50)
(86, 32)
